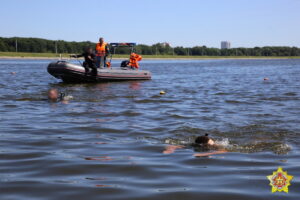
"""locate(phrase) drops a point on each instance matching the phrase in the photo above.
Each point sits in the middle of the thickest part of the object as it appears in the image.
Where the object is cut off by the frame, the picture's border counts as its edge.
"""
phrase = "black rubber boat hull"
(73, 73)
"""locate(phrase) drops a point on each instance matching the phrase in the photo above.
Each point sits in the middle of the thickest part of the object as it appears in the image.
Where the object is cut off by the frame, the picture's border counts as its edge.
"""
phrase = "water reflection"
(135, 85)
(116, 133)
(102, 86)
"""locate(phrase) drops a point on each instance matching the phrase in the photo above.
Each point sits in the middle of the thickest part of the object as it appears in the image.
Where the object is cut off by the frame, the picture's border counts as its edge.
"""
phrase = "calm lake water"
(107, 142)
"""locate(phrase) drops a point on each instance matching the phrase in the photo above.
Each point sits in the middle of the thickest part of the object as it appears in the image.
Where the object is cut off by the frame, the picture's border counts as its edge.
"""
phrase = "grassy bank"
(31, 55)
(218, 57)
(55, 56)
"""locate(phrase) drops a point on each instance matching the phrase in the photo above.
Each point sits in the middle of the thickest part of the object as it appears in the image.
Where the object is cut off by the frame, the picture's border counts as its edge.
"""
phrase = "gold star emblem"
(280, 180)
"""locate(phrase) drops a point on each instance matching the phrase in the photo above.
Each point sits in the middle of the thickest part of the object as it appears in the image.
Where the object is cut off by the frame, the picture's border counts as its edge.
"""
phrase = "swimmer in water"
(209, 143)
(55, 96)
(205, 140)
(201, 141)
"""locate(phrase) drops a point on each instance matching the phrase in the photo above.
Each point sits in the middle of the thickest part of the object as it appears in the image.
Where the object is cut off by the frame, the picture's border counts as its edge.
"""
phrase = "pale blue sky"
(246, 23)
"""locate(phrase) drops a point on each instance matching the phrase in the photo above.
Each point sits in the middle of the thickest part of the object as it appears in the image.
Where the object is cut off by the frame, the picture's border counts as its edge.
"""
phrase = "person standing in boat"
(89, 61)
(102, 51)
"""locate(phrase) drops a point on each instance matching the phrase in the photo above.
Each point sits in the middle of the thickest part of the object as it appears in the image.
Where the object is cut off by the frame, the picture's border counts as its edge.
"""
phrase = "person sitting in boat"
(133, 61)
(102, 52)
(89, 61)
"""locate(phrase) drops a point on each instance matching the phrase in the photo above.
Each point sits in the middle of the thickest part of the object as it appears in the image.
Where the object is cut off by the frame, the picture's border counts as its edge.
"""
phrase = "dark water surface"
(107, 142)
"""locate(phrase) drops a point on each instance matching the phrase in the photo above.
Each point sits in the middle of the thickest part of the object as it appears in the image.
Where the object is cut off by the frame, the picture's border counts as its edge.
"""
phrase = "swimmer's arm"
(209, 154)
(172, 148)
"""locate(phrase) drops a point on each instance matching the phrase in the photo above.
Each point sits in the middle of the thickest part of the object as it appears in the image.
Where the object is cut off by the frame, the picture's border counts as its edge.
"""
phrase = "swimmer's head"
(204, 140)
(53, 94)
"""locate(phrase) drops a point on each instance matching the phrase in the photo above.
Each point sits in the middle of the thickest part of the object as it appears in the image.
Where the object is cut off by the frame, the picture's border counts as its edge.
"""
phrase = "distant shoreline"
(154, 58)
(52, 56)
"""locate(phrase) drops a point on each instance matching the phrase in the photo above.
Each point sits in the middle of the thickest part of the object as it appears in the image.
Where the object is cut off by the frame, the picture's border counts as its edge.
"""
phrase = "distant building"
(225, 45)
(165, 44)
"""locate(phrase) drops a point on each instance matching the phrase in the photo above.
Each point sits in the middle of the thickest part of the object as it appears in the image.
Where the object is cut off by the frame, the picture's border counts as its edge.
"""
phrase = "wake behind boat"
(69, 72)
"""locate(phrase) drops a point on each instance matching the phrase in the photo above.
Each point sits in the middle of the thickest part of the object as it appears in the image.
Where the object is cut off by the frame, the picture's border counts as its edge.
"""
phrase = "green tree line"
(37, 45)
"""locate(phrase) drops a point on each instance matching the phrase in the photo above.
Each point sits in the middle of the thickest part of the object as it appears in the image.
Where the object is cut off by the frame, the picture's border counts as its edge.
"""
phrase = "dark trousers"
(87, 67)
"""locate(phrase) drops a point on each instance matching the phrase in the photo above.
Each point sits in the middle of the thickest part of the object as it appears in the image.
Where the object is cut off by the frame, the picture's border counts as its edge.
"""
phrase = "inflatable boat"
(69, 72)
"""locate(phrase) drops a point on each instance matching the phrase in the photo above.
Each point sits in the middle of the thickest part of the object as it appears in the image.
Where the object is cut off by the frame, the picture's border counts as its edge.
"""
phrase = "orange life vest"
(133, 61)
(101, 49)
